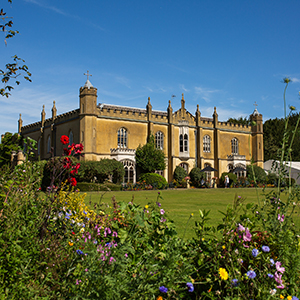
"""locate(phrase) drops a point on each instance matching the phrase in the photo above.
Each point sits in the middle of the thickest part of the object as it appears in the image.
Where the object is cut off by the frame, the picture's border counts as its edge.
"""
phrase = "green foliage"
(259, 173)
(100, 171)
(232, 179)
(10, 142)
(15, 69)
(273, 137)
(179, 174)
(240, 120)
(196, 177)
(95, 187)
(155, 180)
(149, 158)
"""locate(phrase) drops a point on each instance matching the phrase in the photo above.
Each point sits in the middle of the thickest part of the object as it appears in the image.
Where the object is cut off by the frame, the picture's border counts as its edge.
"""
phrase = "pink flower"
(162, 211)
(279, 268)
(247, 236)
(279, 280)
(280, 218)
(241, 228)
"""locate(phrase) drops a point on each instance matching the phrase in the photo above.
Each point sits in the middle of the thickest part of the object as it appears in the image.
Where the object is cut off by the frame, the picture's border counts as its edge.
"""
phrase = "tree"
(9, 142)
(16, 68)
(273, 137)
(260, 174)
(149, 158)
(240, 120)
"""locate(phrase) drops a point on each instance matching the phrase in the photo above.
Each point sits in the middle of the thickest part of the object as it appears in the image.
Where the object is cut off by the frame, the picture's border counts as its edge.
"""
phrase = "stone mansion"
(109, 131)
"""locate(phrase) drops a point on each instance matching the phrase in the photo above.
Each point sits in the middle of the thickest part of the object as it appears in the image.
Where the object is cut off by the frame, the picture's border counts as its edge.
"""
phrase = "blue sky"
(227, 54)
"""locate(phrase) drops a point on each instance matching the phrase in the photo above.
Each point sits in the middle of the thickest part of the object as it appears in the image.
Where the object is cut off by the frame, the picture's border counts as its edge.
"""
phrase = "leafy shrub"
(100, 171)
(232, 179)
(179, 174)
(196, 177)
(95, 187)
(259, 173)
(155, 180)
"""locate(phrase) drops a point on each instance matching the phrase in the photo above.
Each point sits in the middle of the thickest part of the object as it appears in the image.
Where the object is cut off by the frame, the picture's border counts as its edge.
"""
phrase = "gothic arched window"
(206, 143)
(122, 138)
(129, 168)
(234, 146)
(159, 140)
(183, 143)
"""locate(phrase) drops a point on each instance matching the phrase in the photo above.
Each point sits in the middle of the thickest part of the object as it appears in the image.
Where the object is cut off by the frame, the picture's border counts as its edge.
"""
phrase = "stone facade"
(109, 131)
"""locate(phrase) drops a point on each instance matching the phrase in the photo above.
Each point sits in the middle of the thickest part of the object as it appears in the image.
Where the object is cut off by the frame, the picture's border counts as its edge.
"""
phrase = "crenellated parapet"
(234, 126)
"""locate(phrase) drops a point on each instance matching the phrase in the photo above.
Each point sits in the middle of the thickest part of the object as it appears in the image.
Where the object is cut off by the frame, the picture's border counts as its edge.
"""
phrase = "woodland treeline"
(273, 135)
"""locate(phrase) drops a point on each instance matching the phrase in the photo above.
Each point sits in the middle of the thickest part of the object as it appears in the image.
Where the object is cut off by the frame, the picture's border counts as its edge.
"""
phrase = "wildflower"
(280, 218)
(295, 298)
(286, 80)
(126, 255)
(163, 289)
(270, 275)
(289, 298)
(115, 234)
(71, 244)
(272, 262)
(159, 298)
(79, 252)
(158, 204)
(240, 261)
(223, 274)
(281, 297)
(78, 281)
(247, 235)
(251, 274)
(234, 282)
(279, 280)
(223, 247)
(162, 211)
(146, 206)
(279, 268)
(273, 292)
(190, 287)
(241, 228)
(265, 249)
(255, 252)
(64, 140)
(292, 107)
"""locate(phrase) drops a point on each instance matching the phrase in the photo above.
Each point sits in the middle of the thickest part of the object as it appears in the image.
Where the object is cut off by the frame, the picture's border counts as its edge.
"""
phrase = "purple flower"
(79, 252)
(270, 275)
(255, 252)
(158, 204)
(162, 211)
(272, 261)
(265, 249)
(295, 298)
(163, 289)
(190, 287)
(247, 235)
(251, 274)
(241, 228)
(234, 282)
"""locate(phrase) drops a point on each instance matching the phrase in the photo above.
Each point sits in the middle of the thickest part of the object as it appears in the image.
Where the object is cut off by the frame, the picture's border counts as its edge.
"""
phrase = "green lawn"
(179, 204)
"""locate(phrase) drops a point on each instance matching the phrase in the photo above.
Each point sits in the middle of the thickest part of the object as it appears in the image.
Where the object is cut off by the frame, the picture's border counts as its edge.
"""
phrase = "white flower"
(273, 292)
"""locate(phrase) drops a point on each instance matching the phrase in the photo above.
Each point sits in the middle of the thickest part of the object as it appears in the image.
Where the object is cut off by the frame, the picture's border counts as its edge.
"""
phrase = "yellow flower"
(281, 297)
(203, 239)
(289, 298)
(223, 247)
(192, 214)
(71, 244)
(146, 206)
(159, 298)
(223, 274)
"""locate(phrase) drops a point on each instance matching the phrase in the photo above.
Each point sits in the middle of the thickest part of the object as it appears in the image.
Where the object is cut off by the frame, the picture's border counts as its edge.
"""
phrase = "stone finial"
(54, 111)
(182, 102)
(149, 106)
(215, 111)
(43, 116)
(20, 123)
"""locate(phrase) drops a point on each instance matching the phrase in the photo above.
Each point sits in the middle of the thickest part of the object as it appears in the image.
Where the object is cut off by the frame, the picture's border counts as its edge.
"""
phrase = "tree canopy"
(149, 158)
(273, 137)
(16, 68)
(240, 120)
(9, 142)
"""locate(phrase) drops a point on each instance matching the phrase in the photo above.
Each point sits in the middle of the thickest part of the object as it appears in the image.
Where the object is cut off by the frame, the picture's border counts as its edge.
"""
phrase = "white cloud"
(205, 93)
(181, 86)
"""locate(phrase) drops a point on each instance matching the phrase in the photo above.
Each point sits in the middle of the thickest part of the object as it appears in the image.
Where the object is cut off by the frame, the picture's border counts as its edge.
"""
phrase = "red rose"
(73, 181)
(64, 140)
